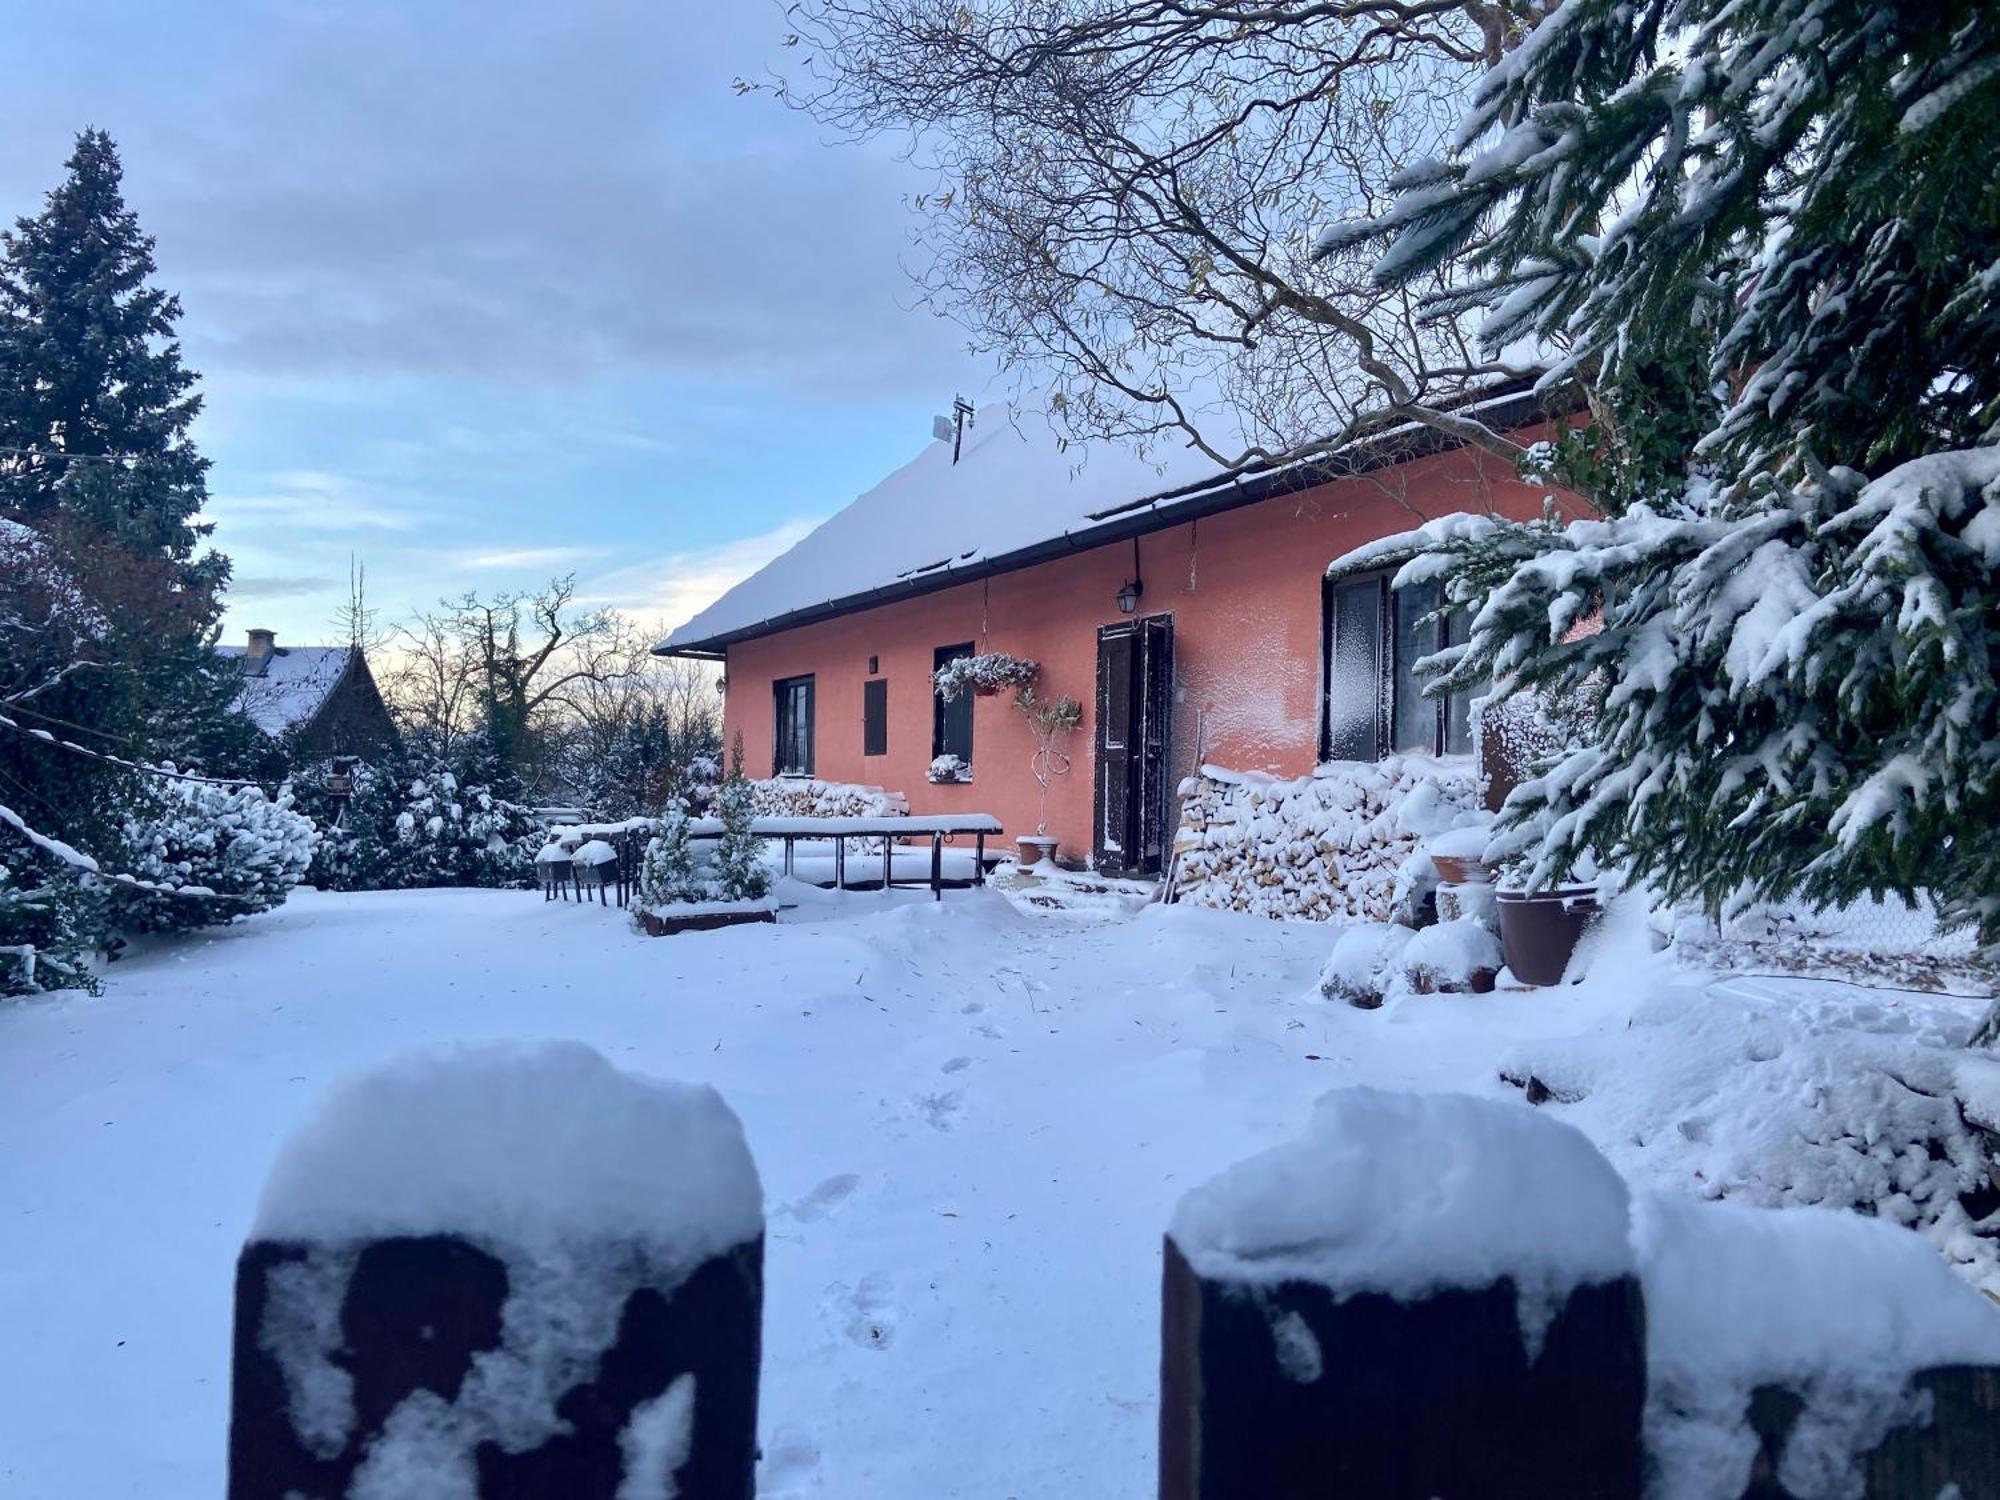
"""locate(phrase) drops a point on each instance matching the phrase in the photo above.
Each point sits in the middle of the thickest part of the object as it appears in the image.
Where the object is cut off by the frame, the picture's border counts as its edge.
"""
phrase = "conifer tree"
(668, 874)
(1764, 234)
(739, 854)
(95, 402)
(97, 467)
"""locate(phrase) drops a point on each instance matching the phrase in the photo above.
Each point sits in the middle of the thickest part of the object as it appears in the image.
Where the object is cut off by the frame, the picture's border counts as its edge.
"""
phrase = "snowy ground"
(973, 1120)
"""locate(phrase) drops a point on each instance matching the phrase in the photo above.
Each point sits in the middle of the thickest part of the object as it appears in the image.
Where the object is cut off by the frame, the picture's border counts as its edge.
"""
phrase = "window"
(951, 723)
(1374, 636)
(792, 738)
(875, 717)
(1353, 658)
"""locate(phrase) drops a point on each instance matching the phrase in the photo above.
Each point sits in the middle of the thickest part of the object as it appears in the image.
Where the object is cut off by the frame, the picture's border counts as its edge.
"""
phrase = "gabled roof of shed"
(292, 686)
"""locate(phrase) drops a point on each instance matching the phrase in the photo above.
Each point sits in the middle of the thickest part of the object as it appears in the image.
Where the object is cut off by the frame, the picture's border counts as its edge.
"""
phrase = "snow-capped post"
(504, 1270)
(1425, 1295)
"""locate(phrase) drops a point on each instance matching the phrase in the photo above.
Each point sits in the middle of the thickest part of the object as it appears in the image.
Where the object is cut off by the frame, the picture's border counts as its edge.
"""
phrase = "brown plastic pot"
(1539, 930)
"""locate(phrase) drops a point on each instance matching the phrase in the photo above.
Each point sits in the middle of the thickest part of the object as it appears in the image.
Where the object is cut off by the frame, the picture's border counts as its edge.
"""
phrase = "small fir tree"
(739, 856)
(667, 874)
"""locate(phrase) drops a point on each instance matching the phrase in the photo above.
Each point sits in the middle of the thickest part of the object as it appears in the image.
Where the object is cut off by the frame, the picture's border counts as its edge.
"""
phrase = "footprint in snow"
(956, 1065)
(789, 1464)
(823, 1199)
(865, 1314)
(940, 1110)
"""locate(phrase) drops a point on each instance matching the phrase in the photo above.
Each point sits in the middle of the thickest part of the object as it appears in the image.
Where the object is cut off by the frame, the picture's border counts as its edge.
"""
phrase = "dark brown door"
(1135, 675)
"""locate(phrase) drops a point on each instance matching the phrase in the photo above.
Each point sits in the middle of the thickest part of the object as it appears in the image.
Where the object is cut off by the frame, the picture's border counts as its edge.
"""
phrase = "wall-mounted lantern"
(1128, 596)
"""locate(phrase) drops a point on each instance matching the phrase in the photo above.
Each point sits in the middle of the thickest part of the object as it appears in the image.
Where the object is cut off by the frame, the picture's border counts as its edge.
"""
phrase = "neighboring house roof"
(1017, 496)
(290, 686)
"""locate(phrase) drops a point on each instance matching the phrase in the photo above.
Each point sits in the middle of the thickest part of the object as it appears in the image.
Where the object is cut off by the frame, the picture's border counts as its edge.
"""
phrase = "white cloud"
(677, 587)
(321, 509)
(523, 557)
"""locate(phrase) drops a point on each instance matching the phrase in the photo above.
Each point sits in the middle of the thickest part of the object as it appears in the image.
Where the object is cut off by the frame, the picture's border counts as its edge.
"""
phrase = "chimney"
(258, 652)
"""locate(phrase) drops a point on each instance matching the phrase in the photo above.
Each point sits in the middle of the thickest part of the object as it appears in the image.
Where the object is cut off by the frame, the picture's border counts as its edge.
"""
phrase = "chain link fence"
(1888, 942)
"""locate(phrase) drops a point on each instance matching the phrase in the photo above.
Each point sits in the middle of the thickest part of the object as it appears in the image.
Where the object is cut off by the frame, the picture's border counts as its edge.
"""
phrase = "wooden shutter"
(875, 717)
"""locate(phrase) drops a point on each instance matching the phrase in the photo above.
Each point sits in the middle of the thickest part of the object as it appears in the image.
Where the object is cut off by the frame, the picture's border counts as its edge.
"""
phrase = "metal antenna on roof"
(951, 429)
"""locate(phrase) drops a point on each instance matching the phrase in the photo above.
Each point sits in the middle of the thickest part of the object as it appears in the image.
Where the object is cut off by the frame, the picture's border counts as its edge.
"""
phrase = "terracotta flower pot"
(1539, 930)
(1461, 869)
(1035, 849)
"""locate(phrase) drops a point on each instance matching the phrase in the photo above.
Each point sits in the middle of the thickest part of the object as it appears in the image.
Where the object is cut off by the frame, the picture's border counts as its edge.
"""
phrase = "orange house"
(1190, 613)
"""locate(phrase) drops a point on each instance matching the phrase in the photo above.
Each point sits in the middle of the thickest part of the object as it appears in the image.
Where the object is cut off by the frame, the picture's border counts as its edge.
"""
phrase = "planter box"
(704, 919)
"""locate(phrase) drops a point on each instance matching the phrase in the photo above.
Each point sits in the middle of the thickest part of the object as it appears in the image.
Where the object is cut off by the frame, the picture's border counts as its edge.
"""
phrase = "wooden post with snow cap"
(508, 1271)
(1805, 1352)
(1426, 1296)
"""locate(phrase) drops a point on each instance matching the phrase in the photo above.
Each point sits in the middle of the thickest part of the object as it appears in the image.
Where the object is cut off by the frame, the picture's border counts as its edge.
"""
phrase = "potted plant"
(948, 770)
(1540, 929)
(1053, 724)
(985, 674)
(1459, 855)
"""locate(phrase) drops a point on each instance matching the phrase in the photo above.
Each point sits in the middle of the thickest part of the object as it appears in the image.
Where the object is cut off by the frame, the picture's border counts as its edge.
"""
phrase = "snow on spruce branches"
(1765, 235)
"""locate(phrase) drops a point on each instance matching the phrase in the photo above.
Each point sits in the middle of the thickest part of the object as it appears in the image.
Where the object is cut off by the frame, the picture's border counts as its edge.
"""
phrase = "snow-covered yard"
(973, 1121)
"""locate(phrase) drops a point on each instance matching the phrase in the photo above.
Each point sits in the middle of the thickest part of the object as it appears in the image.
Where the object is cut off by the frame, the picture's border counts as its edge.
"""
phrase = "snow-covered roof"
(1015, 484)
(290, 686)
(1019, 492)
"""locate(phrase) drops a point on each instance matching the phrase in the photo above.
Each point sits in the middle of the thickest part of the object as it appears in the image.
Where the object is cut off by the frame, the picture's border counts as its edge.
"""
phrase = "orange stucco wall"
(1243, 587)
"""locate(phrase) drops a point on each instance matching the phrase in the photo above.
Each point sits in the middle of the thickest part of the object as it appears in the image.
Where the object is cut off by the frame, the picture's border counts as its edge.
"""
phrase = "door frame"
(1148, 686)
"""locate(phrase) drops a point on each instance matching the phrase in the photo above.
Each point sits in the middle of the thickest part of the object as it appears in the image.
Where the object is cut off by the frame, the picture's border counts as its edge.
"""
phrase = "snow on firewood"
(809, 797)
(1346, 843)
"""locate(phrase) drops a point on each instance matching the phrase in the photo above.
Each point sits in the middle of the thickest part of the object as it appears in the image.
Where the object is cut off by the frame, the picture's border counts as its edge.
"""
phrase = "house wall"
(1244, 589)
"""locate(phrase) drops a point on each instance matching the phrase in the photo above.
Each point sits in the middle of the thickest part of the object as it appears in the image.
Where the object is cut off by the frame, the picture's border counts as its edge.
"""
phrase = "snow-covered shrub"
(245, 847)
(1345, 844)
(1359, 968)
(701, 779)
(739, 855)
(52, 923)
(948, 770)
(1784, 1101)
(415, 824)
(1449, 956)
(668, 872)
(987, 672)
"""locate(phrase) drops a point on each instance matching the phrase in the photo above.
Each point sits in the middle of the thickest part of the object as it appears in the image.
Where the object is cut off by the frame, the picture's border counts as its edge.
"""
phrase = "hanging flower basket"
(988, 673)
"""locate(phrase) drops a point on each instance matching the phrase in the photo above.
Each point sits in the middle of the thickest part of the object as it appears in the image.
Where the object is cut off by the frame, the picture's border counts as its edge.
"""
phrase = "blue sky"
(481, 293)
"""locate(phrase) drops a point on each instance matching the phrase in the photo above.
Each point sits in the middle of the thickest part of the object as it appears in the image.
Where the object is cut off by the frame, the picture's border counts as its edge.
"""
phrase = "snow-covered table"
(790, 831)
(627, 842)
